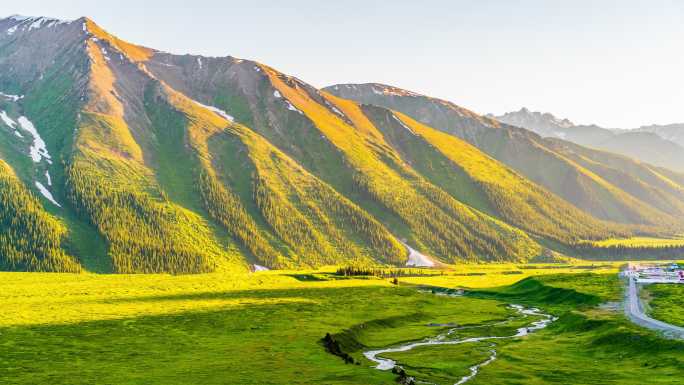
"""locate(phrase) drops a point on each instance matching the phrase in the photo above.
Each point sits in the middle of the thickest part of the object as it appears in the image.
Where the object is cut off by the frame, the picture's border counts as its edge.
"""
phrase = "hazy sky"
(615, 63)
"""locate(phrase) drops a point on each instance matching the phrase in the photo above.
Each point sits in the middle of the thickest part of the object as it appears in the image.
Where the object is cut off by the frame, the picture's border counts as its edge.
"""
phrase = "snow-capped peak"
(543, 123)
(28, 23)
(17, 17)
(21, 18)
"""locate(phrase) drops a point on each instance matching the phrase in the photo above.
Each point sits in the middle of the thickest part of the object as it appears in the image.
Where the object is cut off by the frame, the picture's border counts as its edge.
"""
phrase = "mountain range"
(120, 158)
(660, 145)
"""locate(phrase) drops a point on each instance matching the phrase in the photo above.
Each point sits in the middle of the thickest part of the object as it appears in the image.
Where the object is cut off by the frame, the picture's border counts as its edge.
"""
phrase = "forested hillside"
(505, 192)
(604, 185)
(31, 239)
(121, 158)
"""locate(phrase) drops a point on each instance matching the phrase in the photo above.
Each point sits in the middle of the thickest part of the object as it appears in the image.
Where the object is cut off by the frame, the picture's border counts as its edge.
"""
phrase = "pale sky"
(614, 63)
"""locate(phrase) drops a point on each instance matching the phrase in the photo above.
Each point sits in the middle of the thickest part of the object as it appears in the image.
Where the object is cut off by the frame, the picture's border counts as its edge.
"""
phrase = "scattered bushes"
(333, 347)
(352, 271)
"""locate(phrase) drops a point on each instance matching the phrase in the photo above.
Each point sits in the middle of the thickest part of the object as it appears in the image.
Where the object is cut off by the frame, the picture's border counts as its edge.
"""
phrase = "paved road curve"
(634, 310)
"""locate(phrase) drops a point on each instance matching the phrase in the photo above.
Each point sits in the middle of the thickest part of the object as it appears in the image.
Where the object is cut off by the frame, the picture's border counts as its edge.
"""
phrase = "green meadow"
(666, 302)
(267, 328)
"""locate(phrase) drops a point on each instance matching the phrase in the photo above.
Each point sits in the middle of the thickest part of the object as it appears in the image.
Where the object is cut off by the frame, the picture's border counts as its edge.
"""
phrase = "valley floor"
(268, 328)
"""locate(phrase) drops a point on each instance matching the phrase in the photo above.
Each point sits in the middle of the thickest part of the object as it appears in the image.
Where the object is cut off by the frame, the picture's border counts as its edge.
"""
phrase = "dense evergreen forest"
(30, 238)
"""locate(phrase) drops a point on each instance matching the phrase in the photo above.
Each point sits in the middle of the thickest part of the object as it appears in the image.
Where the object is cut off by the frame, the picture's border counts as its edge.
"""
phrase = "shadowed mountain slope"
(591, 186)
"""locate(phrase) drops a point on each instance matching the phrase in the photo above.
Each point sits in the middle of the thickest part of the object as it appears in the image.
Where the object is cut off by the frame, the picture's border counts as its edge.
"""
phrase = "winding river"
(443, 339)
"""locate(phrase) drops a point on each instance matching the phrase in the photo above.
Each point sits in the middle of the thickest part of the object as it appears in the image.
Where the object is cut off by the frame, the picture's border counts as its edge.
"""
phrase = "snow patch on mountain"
(47, 194)
(13, 98)
(334, 109)
(19, 17)
(404, 125)
(37, 23)
(38, 149)
(418, 259)
(8, 121)
(29, 23)
(380, 89)
(217, 111)
(293, 108)
(338, 112)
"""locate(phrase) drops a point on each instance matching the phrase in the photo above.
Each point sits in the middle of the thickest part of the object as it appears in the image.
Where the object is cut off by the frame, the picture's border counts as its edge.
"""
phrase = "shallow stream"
(444, 339)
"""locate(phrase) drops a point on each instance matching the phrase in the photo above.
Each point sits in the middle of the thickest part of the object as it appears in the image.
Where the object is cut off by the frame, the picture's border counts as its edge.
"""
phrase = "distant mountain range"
(120, 158)
(672, 132)
(658, 145)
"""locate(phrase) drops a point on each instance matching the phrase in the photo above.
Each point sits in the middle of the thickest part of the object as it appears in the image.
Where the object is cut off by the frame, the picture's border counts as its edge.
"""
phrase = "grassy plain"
(266, 328)
(666, 302)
